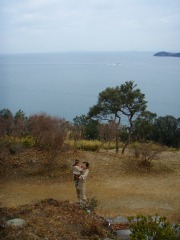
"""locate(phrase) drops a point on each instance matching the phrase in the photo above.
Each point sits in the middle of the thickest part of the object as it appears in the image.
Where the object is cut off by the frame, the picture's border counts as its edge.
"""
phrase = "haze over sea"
(68, 84)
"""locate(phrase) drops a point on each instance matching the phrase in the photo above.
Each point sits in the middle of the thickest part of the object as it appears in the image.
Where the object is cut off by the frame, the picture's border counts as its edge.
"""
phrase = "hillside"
(119, 185)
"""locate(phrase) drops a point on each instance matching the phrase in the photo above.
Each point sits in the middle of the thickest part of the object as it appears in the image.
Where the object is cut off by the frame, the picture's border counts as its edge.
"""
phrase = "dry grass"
(52, 219)
(116, 181)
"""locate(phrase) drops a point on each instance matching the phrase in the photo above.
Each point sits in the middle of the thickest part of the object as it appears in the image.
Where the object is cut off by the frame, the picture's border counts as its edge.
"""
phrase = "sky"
(29, 26)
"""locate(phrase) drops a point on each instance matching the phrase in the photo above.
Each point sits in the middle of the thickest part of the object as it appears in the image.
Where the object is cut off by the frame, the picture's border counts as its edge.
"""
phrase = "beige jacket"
(84, 175)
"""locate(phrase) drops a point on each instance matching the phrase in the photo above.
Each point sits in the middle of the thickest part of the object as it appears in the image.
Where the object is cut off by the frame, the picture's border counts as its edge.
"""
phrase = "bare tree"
(49, 133)
(107, 131)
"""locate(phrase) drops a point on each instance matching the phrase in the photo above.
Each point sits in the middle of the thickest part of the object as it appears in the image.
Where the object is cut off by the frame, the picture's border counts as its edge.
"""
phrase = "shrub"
(91, 204)
(93, 231)
(49, 134)
(28, 141)
(93, 145)
(16, 148)
(152, 228)
(11, 140)
(146, 152)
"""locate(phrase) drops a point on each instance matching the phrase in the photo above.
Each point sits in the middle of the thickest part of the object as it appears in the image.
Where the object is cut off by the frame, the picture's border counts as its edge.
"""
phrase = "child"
(77, 171)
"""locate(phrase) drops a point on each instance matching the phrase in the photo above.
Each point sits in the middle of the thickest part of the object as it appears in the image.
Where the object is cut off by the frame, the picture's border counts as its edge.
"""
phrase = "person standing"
(77, 171)
(81, 187)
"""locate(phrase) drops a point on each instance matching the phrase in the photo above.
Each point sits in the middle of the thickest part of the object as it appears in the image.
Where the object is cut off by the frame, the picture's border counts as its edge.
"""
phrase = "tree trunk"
(117, 141)
(124, 147)
(129, 135)
(117, 134)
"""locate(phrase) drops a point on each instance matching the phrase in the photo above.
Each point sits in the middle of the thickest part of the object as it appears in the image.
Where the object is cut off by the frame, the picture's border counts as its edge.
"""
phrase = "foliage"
(110, 145)
(133, 103)
(167, 131)
(91, 204)
(143, 126)
(20, 124)
(133, 106)
(16, 148)
(88, 128)
(93, 145)
(113, 103)
(49, 134)
(91, 129)
(6, 122)
(108, 108)
(46, 130)
(15, 144)
(146, 152)
(27, 141)
(93, 231)
(77, 129)
(13, 125)
(107, 132)
(152, 228)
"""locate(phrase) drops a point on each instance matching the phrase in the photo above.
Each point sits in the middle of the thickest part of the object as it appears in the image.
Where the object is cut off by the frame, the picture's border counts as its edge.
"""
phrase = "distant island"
(167, 54)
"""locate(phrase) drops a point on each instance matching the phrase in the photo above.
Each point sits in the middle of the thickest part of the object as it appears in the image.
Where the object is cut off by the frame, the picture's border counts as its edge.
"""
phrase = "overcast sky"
(89, 25)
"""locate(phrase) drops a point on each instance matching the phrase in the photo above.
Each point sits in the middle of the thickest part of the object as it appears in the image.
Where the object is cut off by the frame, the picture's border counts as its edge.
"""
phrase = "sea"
(67, 84)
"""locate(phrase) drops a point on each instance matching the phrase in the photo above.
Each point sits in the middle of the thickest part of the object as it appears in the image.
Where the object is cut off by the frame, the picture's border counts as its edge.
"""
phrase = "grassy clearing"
(116, 181)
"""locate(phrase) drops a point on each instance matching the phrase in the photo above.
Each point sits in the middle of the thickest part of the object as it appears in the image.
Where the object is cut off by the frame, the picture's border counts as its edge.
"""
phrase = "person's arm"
(78, 168)
(85, 174)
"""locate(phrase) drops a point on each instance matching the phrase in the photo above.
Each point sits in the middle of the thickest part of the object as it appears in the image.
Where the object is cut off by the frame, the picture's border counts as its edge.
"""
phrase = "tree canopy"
(124, 100)
(167, 131)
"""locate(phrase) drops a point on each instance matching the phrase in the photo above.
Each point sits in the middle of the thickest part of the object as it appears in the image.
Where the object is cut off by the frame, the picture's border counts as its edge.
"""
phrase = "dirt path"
(118, 194)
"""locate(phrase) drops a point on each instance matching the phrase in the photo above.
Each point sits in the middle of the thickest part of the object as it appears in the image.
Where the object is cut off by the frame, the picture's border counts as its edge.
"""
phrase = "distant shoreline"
(166, 54)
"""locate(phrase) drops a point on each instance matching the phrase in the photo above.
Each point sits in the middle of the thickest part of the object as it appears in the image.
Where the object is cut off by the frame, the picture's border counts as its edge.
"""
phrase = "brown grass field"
(121, 188)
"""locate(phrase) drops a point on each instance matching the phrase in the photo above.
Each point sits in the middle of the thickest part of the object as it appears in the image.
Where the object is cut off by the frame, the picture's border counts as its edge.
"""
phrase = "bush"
(152, 228)
(8, 141)
(92, 145)
(91, 204)
(146, 152)
(93, 231)
(49, 134)
(16, 148)
(86, 145)
(110, 145)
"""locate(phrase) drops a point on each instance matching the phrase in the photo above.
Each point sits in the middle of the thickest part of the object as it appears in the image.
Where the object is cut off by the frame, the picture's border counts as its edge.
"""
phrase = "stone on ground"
(16, 222)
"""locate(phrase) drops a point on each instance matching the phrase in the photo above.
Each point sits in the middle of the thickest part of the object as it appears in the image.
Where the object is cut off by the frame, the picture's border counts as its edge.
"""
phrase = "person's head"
(85, 164)
(76, 162)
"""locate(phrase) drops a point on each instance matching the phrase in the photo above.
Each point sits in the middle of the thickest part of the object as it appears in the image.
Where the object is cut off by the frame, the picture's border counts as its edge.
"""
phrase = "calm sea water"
(68, 84)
